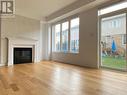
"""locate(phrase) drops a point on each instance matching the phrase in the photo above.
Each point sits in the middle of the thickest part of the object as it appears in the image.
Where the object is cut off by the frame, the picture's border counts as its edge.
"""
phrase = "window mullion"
(69, 30)
(60, 36)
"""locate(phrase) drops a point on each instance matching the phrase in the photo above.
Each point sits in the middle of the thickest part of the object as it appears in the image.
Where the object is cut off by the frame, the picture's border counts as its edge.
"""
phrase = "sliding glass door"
(113, 41)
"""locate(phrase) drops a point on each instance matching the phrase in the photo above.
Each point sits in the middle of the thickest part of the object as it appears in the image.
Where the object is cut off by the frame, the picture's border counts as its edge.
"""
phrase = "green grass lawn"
(117, 63)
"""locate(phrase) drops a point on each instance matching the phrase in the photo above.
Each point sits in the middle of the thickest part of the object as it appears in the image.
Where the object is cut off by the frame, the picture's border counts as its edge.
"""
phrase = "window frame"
(62, 36)
(53, 37)
(123, 38)
(69, 27)
(59, 39)
(70, 34)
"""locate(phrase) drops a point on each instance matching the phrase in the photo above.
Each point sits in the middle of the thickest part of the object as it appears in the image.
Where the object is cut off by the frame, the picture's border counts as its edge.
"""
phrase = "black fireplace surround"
(22, 55)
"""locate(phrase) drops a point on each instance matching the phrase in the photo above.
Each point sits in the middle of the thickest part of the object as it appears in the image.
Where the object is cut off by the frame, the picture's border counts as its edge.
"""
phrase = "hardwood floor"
(51, 78)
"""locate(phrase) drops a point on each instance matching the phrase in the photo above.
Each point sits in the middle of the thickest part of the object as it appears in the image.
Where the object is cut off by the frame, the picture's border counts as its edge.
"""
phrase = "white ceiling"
(39, 9)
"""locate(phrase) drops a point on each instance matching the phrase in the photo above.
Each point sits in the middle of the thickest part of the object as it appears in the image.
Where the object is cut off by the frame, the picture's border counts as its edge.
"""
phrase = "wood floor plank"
(53, 78)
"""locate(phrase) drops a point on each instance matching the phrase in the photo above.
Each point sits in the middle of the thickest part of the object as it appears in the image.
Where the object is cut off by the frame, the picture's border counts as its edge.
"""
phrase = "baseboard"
(2, 65)
(87, 66)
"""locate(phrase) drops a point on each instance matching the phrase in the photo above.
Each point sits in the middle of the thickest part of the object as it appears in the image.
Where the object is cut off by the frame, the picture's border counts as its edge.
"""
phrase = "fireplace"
(22, 55)
(22, 50)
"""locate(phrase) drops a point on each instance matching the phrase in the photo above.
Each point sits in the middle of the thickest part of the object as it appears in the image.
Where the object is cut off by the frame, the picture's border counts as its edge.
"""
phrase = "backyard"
(117, 63)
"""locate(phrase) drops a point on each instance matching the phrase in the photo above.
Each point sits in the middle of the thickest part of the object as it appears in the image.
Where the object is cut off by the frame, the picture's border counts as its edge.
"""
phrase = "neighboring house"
(114, 28)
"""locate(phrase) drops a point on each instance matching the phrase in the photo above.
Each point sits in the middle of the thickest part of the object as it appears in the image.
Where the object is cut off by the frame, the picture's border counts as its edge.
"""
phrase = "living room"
(56, 47)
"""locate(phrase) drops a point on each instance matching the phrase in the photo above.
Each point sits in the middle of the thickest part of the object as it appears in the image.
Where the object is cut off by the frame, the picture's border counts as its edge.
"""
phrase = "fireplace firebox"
(22, 55)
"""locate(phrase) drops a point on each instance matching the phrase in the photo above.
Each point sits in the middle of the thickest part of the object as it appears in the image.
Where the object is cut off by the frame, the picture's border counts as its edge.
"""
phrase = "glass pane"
(65, 27)
(113, 41)
(57, 37)
(113, 8)
(74, 35)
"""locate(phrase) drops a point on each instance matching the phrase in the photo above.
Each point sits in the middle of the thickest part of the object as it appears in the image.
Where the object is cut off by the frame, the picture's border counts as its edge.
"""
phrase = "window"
(65, 36)
(57, 37)
(113, 8)
(124, 39)
(65, 27)
(74, 35)
(116, 23)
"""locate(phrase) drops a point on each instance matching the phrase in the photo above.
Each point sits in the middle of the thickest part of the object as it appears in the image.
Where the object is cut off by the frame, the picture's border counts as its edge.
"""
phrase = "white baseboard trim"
(2, 65)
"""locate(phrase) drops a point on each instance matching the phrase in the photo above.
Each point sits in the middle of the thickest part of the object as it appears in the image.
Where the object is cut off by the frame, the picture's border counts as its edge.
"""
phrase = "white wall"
(88, 42)
(45, 41)
(20, 27)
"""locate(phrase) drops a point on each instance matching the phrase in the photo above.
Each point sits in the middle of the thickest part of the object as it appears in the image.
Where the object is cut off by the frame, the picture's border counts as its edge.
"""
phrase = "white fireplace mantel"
(22, 43)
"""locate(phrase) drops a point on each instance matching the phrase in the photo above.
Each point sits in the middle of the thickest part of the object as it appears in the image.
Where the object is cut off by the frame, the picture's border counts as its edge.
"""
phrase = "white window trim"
(69, 30)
